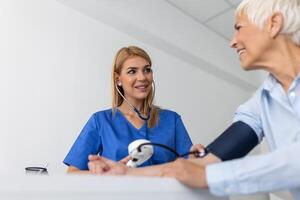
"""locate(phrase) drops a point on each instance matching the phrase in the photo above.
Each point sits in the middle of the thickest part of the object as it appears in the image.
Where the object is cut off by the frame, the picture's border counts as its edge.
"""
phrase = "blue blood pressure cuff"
(235, 142)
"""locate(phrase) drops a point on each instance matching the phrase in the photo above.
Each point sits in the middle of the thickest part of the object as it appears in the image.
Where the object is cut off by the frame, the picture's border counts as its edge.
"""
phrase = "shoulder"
(254, 102)
(103, 114)
(250, 111)
(265, 88)
(168, 114)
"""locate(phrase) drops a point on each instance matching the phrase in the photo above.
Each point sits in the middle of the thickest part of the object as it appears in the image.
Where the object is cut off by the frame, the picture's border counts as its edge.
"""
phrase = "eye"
(132, 71)
(148, 70)
(237, 27)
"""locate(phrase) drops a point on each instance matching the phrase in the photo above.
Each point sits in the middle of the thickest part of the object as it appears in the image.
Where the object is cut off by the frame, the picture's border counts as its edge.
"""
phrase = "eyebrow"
(129, 68)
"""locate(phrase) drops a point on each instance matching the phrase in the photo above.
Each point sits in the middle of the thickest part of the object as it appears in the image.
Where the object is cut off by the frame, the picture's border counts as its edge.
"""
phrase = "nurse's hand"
(125, 160)
(196, 148)
(101, 165)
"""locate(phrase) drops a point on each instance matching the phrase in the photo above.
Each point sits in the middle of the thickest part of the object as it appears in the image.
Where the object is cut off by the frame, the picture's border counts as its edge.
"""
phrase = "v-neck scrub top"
(109, 135)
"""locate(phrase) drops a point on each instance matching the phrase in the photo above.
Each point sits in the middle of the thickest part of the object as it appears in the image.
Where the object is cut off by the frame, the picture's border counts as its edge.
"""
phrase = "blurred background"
(56, 58)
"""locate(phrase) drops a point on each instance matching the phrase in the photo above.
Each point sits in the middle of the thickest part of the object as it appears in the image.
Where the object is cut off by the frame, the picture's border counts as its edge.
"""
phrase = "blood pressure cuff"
(235, 142)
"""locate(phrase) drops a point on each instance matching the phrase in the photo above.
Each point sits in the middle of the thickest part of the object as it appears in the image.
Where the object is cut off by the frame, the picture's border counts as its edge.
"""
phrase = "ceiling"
(216, 15)
(195, 31)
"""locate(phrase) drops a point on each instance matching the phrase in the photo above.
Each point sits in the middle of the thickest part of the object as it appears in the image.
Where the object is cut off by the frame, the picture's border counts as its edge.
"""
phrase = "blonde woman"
(109, 132)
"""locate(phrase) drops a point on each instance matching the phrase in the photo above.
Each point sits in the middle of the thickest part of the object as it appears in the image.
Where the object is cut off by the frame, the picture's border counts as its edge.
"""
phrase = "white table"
(88, 187)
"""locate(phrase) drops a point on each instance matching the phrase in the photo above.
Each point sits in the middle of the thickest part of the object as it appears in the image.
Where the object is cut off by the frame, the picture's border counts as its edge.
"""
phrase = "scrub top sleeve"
(182, 138)
(88, 142)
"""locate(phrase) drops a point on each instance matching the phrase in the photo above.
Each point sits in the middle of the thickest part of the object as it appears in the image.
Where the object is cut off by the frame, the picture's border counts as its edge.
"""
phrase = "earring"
(119, 83)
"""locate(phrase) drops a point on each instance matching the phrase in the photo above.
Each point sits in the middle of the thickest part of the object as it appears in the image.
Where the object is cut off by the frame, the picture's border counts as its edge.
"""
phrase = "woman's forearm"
(158, 170)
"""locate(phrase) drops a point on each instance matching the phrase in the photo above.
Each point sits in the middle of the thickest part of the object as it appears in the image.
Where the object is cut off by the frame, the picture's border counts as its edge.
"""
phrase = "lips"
(241, 51)
(141, 88)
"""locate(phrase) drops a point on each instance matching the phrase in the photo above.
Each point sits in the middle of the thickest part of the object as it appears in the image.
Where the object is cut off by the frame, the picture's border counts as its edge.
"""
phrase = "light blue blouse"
(275, 115)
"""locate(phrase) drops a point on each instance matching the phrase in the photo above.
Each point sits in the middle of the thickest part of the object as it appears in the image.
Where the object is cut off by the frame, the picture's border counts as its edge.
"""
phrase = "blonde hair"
(258, 12)
(122, 55)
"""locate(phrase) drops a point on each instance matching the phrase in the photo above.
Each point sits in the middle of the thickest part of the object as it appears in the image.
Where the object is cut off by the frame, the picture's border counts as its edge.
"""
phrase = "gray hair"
(258, 12)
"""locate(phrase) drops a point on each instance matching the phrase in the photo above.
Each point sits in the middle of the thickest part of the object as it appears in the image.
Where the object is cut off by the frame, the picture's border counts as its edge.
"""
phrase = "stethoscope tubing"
(137, 110)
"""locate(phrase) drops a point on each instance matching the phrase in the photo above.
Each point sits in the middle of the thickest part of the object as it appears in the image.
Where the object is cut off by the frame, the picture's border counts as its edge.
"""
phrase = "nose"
(141, 76)
(233, 42)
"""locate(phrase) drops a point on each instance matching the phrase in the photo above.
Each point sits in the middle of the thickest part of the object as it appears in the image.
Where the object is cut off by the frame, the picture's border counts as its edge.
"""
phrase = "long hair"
(122, 55)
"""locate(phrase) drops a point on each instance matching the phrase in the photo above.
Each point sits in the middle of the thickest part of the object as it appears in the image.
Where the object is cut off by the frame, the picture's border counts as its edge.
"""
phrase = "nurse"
(109, 132)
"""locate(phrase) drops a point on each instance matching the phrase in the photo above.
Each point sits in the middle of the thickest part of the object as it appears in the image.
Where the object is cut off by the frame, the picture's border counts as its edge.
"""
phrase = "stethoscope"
(197, 154)
(146, 118)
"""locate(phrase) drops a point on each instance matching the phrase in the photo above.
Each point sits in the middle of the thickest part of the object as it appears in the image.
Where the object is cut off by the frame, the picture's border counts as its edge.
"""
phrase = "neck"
(283, 62)
(126, 108)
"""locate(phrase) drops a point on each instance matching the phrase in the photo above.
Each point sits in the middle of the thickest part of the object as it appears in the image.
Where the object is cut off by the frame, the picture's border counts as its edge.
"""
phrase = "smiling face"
(135, 78)
(251, 43)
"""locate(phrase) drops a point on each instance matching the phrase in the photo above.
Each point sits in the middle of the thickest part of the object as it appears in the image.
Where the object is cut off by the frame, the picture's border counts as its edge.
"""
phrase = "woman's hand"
(100, 165)
(187, 172)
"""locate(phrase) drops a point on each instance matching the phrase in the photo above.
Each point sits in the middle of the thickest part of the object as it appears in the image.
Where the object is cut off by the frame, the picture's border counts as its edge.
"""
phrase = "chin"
(141, 97)
(250, 67)
(247, 66)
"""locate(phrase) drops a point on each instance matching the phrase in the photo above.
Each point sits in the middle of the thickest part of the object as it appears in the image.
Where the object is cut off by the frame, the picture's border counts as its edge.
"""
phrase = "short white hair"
(258, 11)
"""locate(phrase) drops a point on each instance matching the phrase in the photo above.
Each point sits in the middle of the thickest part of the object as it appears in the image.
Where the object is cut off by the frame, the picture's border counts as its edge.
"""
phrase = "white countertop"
(96, 187)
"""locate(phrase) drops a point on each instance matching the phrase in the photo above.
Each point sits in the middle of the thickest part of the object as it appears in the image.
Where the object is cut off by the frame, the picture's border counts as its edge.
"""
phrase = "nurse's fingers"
(107, 161)
(101, 159)
(97, 167)
(94, 157)
(196, 148)
(125, 160)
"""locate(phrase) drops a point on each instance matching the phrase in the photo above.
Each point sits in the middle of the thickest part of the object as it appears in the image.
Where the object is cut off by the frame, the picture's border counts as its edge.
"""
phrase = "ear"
(117, 79)
(275, 24)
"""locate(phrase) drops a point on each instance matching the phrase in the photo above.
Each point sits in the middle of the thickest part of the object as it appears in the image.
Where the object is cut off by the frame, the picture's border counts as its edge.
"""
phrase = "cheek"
(253, 56)
(259, 43)
(150, 77)
(127, 80)
(259, 49)
(127, 85)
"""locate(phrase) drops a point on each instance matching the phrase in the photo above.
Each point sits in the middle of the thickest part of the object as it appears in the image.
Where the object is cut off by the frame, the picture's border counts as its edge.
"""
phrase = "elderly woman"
(267, 37)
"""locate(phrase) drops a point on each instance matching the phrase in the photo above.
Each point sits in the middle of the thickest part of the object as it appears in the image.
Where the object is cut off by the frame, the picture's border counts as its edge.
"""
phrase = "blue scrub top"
(109, 135)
